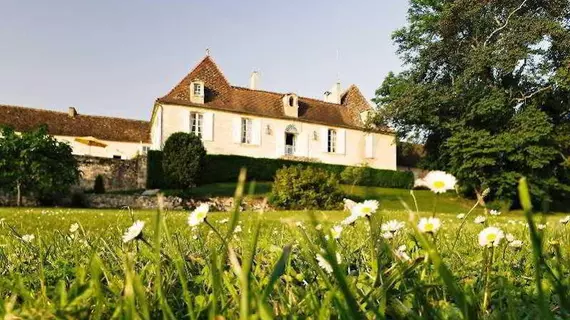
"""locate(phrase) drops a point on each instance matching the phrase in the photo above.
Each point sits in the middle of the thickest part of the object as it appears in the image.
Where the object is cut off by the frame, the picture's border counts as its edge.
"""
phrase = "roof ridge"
(78, 114)
(280, 93)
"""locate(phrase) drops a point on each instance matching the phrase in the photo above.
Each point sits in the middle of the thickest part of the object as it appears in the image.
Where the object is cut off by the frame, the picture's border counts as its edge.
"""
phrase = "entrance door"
(289, 143)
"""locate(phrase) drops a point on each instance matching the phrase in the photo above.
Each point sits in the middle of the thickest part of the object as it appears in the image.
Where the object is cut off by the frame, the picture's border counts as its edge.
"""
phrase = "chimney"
(254, 80)
(333, 95)
(71, 112)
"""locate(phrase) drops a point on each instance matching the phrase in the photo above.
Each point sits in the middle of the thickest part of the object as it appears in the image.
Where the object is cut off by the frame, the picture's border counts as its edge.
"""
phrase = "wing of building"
(88, 135)
(256, 123)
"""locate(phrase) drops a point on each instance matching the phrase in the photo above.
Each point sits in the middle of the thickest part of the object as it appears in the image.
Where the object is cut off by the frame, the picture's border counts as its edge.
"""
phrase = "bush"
(183, 160)
(298, 187)
(99, 186)
(355, 175)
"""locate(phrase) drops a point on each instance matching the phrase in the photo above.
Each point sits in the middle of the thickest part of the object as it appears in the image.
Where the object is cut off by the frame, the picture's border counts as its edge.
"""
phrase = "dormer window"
(291, 105)
(197, 91)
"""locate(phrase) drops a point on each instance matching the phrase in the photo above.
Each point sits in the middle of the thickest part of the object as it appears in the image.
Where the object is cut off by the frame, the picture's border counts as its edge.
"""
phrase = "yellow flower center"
(429, 227)
(439, 184)
(491, 237)
(366, 209)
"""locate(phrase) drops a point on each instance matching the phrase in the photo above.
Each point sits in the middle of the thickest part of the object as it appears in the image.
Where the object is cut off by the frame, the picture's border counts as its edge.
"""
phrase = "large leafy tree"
(486, 88)
(35, 163)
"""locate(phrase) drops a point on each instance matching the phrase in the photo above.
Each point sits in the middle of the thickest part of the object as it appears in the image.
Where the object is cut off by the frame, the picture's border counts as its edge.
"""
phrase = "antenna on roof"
(207, 51)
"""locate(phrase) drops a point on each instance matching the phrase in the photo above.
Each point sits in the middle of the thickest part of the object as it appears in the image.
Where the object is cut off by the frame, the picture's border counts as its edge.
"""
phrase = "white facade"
(114, 149)
(231, 133)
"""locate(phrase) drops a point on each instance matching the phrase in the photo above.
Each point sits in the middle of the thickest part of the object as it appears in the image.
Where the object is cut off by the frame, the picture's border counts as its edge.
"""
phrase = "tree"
(35, 163)
(183, 160)
(486, 88)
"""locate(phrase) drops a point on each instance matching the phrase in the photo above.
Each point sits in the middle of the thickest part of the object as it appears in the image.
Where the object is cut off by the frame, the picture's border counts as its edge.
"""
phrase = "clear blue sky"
(115, 58)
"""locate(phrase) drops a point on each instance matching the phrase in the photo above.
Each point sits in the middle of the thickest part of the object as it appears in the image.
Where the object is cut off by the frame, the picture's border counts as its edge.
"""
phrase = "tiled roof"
(60, 123)
(221, 95)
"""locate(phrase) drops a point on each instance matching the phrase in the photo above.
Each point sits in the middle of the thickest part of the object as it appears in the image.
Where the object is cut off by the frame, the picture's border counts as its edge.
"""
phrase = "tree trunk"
(18, 194)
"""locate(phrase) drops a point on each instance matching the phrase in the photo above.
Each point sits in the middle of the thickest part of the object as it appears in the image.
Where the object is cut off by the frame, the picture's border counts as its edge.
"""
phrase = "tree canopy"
(486, 88)
(183, 160)
(35, 163)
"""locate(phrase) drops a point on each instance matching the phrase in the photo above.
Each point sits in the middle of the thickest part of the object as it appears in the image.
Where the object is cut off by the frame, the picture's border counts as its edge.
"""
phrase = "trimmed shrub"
(225, 168)
(298, 187)
(183, 160)
(99, 186)
(355, 175)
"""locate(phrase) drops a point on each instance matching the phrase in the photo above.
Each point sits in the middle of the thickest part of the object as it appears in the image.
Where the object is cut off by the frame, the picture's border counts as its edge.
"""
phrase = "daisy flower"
(133, 231)
(565, 220)
(490, 237)
(28, 237)
(541, 226)
(429, 225)
(74, 227)
(439, 181)
(237, 229)
(461, 216)
(336, 231)
(350, 220)
(325, 265)
(392, 226)
(365, 209)
(387, 235)
(198, 215)
(401, 254)
(517, 244)
(495, 213)
(480, 219)
(509, 237)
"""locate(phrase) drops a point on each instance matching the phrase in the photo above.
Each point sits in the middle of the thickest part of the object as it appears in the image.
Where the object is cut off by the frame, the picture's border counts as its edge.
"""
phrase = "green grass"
(188, 272)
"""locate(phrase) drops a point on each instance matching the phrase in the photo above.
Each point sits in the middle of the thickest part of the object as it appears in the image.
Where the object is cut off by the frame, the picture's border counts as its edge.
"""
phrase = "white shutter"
(186, 122)
(256, 132)
(369, 146)
(236, 130)
(208, 130)
(279, 142)
(324, 139)
(341, 141)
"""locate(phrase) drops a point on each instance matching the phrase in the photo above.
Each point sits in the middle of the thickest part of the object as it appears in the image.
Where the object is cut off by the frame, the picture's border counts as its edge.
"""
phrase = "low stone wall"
(170, 203)
(118, 174)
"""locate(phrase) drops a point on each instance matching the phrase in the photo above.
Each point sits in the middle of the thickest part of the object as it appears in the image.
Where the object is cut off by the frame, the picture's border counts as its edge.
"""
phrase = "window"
(197, 89)
(116, 156)
(196, 123)
(331, 140)
(246, 130)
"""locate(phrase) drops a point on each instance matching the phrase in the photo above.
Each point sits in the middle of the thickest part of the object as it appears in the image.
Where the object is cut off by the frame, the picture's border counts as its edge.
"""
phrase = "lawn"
(192, 273)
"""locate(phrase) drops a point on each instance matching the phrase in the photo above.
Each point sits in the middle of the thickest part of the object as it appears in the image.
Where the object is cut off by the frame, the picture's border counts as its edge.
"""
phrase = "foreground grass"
(191, 273)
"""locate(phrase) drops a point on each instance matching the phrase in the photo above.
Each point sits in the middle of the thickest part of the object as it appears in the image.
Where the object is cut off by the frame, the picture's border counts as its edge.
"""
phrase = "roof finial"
(208, 51)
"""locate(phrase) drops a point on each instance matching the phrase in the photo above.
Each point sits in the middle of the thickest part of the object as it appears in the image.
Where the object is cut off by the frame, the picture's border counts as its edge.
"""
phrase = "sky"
(114, 58)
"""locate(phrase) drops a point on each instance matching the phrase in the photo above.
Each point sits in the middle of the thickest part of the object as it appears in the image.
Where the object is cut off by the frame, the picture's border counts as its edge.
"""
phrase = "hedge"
(225, 168)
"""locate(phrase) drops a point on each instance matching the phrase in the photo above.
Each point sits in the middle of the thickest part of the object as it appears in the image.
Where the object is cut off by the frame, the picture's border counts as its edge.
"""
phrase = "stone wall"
(118, 174)
(172, 203)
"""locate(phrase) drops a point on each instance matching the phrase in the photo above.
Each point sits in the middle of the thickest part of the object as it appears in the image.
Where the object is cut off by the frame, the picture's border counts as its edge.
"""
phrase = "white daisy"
(74, 227)
(510, 237)
(318, 227)
(323, 263)
(365, 209)
(541, 226)
(565, 220)
(350, 220)
(429, 225)
(495, 213)
(133, 231)
(392, 226)
(336, 231)
(198, 215)
(516, 244)
(461, 216)
(400, 252)
(224, 221)
(439, 181)
(237, 229)
(387, 235)
(28, 237)
(490, 237)
(480, 219)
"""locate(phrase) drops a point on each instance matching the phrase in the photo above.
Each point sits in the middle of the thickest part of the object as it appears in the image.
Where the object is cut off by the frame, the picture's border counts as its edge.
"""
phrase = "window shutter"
(369, 145)
(236, 126)
(256, 132)
(324, 139)
(187, 123)
(341, 141)
(208, 130)
(279, 143)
